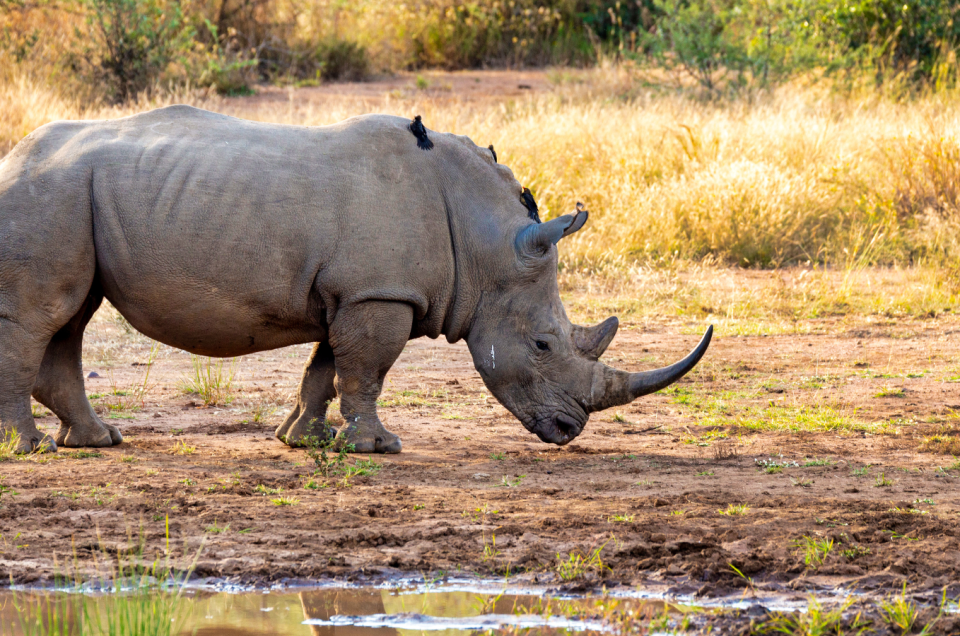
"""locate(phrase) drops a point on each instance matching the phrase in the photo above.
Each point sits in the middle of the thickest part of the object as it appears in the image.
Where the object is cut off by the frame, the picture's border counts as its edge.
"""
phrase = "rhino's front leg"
(367, 338)
(316, 390)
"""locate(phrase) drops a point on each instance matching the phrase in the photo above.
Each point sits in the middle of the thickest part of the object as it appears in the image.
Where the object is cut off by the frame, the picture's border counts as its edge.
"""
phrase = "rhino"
(225, 237)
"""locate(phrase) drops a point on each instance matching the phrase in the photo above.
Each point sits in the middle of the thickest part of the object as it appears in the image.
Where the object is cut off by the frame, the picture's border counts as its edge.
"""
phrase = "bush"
(695, 36)
(342, 60)
(719, 42)
(134, 42)
(124, 47)
(913, 38)
(226, 68)
(468, 35)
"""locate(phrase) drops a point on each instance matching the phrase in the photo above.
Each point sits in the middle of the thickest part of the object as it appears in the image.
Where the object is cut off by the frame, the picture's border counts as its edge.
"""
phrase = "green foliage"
(735, 510)
(226, 69)
(146, 600)
(577, 564)
(319, 451)
(342, 60)
(471, 34)
(506, 482)
(816, 621)
(4, 489)
(330, 457)
(134, 41)
(9, 444)
(210, 381)
(814, 551)
(694, 36)
(881, 481)
(900, 613)
(490, 549)
(916, 38)
(131, 46)
(730, 43)
(362, 468)
(855, 552)
(738, 43)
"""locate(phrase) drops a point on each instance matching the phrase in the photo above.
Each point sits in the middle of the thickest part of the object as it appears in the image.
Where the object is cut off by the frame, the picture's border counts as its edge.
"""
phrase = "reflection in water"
(324, 604)
(283, 613)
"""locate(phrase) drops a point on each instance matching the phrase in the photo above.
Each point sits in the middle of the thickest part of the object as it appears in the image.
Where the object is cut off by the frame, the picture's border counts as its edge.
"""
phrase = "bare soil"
(430, 86)
(439, 504)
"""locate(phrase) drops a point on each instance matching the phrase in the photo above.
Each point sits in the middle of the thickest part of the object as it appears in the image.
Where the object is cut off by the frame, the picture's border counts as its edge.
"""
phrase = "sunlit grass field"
(815, 189)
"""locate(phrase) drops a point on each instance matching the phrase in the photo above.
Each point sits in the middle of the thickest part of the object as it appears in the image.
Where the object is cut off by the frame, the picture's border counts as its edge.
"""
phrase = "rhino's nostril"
(567, 425)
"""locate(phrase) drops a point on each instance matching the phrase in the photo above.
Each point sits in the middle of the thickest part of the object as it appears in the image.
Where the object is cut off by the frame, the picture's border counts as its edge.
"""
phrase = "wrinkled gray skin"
(226, 237)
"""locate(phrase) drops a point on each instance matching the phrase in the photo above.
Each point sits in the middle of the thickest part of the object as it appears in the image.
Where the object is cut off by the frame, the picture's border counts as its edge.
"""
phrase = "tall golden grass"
(796, 175)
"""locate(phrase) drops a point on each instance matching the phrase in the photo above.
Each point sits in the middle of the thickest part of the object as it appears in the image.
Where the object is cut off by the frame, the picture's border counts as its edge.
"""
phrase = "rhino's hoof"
(80, 436)
(389, 445)
(115, 435)
(44, 444)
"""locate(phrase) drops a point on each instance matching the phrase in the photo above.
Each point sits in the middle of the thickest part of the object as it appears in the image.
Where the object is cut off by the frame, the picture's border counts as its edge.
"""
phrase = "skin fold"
(225, 237)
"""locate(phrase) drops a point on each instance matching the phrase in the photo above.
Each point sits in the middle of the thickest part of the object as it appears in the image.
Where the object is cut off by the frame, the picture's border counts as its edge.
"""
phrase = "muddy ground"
(474, 492)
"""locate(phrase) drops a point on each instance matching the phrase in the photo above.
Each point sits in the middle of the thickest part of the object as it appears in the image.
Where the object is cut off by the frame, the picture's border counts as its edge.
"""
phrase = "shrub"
(915, 38)
(342, 60)
(132, 42)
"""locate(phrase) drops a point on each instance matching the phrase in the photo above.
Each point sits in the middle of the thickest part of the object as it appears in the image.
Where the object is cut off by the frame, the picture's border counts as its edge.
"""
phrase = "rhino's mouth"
(560, 429)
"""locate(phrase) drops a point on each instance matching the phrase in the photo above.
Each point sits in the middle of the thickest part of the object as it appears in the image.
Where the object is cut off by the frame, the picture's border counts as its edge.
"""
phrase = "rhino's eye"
(542, 346)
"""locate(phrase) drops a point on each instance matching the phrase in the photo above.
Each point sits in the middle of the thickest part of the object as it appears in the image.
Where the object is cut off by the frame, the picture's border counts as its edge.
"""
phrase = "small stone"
(93, 374)
(479, 476)
(675, 570)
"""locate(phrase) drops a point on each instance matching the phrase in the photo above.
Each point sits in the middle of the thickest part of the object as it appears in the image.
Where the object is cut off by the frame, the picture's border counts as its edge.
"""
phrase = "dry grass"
(676, 185)
(801, 299)
(946, 443)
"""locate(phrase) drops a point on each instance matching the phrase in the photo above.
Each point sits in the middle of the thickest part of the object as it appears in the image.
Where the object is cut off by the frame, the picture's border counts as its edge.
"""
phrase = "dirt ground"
(472, 491)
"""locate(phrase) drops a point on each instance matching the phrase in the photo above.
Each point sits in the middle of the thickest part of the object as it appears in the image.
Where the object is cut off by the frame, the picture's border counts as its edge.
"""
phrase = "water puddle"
(327, 611)
(400, 608)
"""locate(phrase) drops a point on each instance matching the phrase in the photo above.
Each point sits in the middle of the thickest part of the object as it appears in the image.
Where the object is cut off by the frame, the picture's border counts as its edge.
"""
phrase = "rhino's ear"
(535, 240)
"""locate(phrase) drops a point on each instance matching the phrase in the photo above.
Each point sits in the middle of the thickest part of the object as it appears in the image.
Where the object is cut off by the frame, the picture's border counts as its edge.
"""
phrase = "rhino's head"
(540, 366)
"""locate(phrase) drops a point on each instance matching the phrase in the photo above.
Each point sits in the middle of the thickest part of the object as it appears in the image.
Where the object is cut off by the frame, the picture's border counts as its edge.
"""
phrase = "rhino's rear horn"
(593, 341)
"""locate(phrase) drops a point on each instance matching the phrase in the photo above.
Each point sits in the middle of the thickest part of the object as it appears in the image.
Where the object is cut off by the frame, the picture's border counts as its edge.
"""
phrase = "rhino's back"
(248, 232)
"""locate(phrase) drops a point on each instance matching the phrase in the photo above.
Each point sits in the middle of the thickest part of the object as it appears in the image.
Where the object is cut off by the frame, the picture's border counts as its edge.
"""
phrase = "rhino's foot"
(36, 443)
(283, 431)
(297, 430)
(367, 435)
(94, 434)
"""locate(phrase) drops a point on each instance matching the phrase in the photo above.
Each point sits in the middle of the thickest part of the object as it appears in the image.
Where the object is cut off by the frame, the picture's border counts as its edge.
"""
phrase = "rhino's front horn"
(617, 387)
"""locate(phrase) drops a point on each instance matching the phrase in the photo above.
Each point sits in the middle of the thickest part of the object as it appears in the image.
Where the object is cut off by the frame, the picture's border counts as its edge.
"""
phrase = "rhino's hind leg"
(316, 391)
(20, 355)
(367, 339)
(60, 386)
